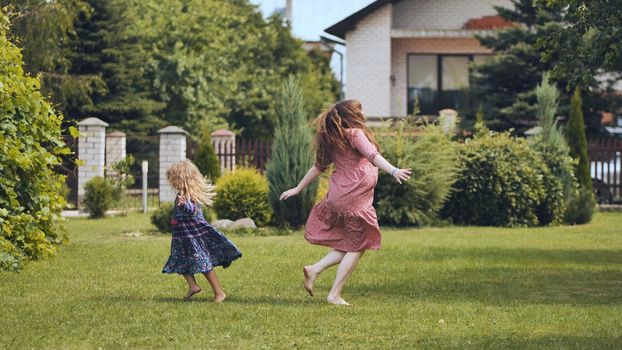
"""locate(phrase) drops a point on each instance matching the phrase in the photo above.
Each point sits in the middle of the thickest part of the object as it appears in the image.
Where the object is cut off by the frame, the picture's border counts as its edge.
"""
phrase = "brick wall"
(400, 49)
(368, 64)
(442, 14)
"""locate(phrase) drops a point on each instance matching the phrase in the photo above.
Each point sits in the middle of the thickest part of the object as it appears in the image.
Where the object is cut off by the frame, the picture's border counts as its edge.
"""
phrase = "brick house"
(399, 49)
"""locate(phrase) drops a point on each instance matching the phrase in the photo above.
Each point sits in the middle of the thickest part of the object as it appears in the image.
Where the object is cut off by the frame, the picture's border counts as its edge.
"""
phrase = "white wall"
(442, 14)
(368, 62)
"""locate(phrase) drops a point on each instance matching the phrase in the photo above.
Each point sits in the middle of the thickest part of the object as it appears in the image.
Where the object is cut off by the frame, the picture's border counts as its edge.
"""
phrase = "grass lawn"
(457, 287)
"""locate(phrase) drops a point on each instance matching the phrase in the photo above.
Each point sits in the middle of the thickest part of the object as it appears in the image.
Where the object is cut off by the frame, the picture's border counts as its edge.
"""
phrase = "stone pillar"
(224, 146)
(172, 150)
(91, 152)
(115, 150)
(448, 120)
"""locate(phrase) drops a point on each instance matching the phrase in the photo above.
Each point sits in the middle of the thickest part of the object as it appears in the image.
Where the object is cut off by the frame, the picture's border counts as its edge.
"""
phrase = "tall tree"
(575, 133)
(506, 83)
(44, 30)
(107, 44)
(290, 159)
(590, 42)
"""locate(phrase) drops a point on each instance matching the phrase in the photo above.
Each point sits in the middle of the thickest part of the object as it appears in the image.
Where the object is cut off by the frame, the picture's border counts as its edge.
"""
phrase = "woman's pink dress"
(346, 220)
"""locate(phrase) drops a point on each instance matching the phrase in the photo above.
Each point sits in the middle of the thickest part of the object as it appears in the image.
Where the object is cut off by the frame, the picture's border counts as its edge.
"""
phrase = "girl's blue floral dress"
(196, 246)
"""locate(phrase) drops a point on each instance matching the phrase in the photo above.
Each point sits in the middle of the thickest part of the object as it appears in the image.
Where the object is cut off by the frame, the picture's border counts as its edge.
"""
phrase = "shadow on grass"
(231, 299)
(524, 280)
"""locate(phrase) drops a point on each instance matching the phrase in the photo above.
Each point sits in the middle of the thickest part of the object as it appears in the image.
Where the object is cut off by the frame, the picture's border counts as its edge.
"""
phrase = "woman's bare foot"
(337, 300)
(310, 277)
(191, 292)
(219, 298)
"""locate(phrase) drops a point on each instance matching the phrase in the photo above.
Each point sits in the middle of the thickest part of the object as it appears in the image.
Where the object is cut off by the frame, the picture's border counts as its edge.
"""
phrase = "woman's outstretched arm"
(399, 174)
(311, 175)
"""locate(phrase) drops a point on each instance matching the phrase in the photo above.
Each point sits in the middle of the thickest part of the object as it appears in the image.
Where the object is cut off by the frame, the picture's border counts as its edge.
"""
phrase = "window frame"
(439, 69)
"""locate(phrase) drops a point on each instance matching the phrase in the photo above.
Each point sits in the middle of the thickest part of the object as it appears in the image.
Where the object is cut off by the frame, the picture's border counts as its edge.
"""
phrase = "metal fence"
(604, 155)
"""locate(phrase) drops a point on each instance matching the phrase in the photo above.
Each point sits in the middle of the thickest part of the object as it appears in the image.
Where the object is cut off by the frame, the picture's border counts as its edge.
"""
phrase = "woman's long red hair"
(331, 127)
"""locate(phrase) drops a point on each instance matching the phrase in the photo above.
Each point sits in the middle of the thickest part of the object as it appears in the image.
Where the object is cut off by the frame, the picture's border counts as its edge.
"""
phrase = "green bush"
(554, 151)
(31, 145)
(433, 158)
(290, 159)
(504, 182)
(242, 193)
(99, 196)
(161, 218)
(581, 207)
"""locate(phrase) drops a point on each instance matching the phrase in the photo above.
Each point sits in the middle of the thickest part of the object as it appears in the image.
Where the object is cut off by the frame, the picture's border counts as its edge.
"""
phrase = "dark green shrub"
(31, 145)
(432, 156)
(205, 157)
(98, 197)
(581, 207)
(242, 193)
(291, 159)
(504, 182)
(161, 218)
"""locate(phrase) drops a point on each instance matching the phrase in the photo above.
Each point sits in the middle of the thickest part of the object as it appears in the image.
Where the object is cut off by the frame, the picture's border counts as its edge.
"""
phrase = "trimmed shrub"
(161, 218)
(31, 145)
(433, 158)
(99, 196)
(206, 159)
(504, 182)
(290, 158)
(580, 207)
(242, 193)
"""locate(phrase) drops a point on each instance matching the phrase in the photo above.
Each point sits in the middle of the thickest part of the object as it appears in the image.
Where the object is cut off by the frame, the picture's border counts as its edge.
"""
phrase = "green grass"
(536, 288)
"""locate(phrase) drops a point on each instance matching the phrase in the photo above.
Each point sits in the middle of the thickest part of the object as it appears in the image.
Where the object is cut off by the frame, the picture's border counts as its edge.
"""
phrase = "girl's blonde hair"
(186, 178)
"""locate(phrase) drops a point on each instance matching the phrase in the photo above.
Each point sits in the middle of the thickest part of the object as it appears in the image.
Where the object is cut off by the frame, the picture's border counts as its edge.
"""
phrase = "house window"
(439, 81)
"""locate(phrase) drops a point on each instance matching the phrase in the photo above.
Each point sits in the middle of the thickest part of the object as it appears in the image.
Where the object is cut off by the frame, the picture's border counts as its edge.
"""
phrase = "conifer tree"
(291, 158)
(575, 133)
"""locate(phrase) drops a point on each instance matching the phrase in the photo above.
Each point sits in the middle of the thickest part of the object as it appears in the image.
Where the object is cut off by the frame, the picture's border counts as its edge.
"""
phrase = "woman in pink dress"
(345, 220)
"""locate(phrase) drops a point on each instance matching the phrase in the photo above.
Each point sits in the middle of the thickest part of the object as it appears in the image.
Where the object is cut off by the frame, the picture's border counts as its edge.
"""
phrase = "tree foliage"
(30, 148)
(506, 83)
(291, 158)
(590, 42)
(144, 63)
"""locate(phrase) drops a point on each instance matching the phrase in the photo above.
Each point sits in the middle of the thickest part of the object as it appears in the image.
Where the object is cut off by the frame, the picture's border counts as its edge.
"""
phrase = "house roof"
(340, 28)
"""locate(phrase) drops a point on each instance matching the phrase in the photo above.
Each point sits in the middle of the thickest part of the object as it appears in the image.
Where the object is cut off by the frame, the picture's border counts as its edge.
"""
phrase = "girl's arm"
(399, 174)
(369, 151)
(311, 175)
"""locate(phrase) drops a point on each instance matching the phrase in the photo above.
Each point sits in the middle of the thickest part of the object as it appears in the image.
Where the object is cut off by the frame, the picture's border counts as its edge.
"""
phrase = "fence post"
(145, 169)
(91, 152)
(224, 144)
(115, 150)
(172, 150)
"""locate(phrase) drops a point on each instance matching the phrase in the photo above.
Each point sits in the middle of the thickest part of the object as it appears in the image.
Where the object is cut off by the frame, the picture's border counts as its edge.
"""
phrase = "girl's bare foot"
(219, 298)
(337, 300)
(191, 292)
(310, 277)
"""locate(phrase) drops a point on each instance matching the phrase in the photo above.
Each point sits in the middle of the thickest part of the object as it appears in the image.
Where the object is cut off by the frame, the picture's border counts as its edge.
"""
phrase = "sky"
(311, 17)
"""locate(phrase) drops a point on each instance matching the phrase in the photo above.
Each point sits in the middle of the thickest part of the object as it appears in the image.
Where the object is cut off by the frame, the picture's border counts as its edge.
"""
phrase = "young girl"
(196, 246)
(345, 220)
